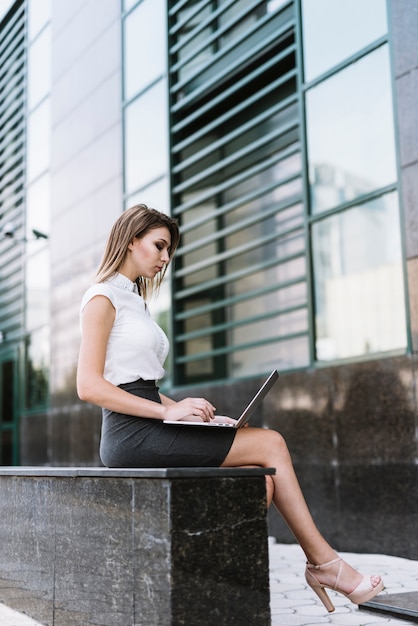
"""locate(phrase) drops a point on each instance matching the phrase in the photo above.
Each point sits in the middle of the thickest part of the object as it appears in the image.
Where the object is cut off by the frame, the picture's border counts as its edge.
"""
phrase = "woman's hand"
(223, 419)
(192, 409)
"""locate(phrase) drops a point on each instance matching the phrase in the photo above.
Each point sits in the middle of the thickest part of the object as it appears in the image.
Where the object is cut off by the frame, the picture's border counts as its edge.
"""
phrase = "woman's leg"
(267, 448)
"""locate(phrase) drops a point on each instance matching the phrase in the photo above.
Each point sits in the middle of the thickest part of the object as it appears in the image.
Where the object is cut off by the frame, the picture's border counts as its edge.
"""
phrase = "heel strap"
(324, 565)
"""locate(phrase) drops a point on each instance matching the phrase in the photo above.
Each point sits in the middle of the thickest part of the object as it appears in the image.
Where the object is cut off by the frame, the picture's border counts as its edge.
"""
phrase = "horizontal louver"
(240, 273)
(12, 145)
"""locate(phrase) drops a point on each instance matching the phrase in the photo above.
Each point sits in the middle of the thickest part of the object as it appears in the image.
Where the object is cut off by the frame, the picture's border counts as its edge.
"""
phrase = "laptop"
(245, 415)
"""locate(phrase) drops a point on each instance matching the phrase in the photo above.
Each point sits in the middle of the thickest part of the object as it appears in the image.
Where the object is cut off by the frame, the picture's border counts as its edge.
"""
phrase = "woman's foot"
(341, 577)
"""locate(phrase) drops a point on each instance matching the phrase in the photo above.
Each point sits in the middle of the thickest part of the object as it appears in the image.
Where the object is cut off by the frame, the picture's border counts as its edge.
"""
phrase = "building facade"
(282, 134)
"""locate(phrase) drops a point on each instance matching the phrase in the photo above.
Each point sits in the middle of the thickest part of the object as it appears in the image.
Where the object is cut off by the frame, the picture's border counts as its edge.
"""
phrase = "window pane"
(351, 147)
(128, 4)
(359, 293)
(39, 69)
(38, 155)
(37, 289)
(333, 30)
(156, 196)
(38, 208)
(37, 369)
(146, 138)
(39, 14)
(144, 47)
(288, 354)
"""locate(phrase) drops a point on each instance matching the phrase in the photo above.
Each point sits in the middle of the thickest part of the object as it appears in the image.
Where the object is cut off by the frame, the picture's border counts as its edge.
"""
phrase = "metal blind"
(12, 168)
(240, 301)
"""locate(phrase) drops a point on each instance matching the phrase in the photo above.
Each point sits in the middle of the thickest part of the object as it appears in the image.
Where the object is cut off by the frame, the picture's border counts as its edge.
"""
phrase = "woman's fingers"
(202, 408)
(198, 407)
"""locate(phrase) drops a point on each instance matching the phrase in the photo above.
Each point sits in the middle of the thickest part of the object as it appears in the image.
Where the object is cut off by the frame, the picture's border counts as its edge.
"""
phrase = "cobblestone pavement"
(293, 603)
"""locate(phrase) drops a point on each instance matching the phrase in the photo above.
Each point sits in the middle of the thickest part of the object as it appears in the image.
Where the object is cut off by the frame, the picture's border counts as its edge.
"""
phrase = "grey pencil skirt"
(128, 441)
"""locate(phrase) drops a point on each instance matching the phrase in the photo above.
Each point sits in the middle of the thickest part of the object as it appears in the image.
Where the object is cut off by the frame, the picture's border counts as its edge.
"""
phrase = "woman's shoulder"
(99, 289)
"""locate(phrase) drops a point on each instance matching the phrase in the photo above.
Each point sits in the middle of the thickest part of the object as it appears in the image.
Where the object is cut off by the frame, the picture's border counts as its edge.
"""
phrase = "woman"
(122, 355)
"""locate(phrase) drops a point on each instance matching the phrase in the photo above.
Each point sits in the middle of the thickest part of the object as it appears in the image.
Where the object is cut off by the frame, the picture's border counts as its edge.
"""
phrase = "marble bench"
(135, 547)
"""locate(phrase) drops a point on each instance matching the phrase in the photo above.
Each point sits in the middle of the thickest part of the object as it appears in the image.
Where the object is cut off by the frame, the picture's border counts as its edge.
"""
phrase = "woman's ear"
(131, 245)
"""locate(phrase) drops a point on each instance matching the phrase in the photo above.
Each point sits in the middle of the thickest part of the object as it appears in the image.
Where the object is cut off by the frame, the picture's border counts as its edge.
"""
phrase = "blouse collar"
(122, 282)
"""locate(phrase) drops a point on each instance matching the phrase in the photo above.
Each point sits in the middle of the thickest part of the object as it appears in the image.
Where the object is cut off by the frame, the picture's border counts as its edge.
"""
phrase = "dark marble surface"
(351, 431)
(398, 605)
(158, 472)
(127, 549)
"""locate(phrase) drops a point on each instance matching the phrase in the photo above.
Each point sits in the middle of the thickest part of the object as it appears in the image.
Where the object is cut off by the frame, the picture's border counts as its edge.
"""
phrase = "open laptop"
(245, 415)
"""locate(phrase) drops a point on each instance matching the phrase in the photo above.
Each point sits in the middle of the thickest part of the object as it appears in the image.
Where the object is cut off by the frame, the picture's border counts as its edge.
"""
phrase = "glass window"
(39, 69)
(38, 206)
(39, 14)
(359, 295)
(37, 368)
(128, 4)
(146, 138)
(155, 195)
(38, 150)
(145, 49)
(334, 30)
(37, 289)
(350, 132)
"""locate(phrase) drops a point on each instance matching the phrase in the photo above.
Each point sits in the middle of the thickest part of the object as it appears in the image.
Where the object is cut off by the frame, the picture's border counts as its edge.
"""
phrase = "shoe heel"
(323, 596)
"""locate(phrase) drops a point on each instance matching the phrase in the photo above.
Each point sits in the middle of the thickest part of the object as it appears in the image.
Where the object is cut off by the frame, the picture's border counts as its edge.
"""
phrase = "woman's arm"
(98, 319)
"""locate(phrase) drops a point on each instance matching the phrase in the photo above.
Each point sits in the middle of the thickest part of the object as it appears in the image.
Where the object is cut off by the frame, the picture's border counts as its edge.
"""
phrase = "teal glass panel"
(350, 133)
(145, 47)
(359, 290)
(146, 138)
(333, 30)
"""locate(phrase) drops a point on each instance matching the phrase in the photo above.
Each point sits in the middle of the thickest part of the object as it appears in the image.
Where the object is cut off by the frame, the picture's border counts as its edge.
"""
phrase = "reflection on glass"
(146, 138)
(37, 289)
(350, 133)
(37, 369)
(155, 196)
(359, 293)
(145, 49)
(38, 148)
(38, 207)
(39, 13)
(288, 354)
(333, 30)
(128, 4)
(191, 55)
(39, 69)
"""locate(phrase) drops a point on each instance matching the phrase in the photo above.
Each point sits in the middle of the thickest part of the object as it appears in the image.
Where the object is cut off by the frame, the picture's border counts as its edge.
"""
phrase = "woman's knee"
(275, 440)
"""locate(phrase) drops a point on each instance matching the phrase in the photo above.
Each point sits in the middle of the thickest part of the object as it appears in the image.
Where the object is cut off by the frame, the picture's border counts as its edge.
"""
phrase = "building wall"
(86, 189)
(351, 428)
(405, 63)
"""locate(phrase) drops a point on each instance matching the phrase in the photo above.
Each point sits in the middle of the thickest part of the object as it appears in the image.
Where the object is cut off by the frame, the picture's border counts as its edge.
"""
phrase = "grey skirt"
(128, 441)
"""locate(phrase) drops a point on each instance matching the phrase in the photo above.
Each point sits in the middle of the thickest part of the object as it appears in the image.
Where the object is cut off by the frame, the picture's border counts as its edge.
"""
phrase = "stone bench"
(135, 547)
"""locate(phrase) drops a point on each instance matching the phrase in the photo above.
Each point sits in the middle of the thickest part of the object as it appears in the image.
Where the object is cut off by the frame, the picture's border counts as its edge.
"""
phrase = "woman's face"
(149, 254)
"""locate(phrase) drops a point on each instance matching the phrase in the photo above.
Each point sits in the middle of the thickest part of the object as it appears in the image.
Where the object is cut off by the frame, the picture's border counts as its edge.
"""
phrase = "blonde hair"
(135, 223)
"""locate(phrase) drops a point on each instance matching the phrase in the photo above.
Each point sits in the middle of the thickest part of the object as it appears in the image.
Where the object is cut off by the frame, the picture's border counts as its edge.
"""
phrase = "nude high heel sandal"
(362, 593)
